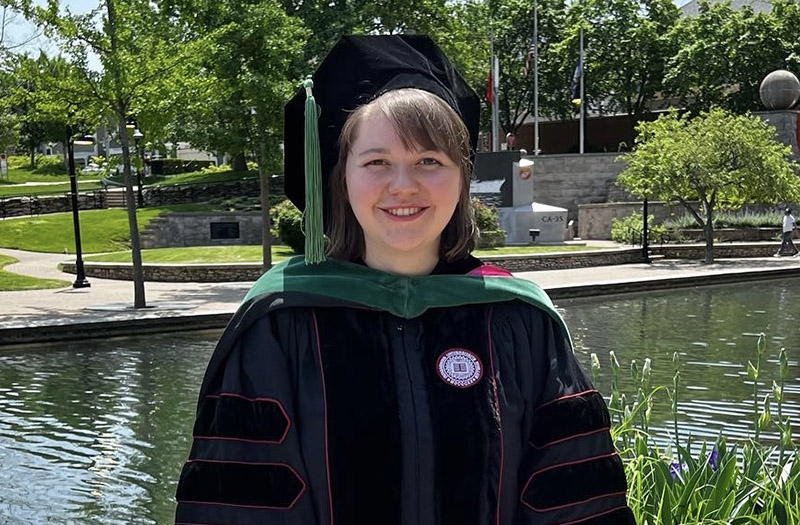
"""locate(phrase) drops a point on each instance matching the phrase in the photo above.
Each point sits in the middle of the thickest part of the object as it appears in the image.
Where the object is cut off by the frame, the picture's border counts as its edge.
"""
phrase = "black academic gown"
(323, 407)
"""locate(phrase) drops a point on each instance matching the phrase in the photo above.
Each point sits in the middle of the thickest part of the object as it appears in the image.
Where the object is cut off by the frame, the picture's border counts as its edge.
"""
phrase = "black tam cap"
(357, 70)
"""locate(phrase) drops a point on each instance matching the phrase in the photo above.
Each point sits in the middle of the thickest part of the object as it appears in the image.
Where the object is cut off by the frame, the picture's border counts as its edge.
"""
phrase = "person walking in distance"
(787, 246)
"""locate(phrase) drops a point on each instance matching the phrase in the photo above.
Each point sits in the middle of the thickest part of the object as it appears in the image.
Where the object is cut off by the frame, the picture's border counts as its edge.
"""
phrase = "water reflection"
(96, 432)
(714, 330)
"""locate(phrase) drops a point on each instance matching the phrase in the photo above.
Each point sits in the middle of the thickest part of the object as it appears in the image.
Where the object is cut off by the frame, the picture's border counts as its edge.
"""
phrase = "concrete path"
(106, 307)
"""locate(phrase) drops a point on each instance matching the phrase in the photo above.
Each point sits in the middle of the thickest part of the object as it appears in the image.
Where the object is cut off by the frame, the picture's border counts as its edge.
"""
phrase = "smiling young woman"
(400, 191)
(401, 381)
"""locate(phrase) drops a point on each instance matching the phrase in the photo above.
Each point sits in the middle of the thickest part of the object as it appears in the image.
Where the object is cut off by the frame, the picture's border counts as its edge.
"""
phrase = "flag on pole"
(530, 56)
(575, 87)
(490, 89)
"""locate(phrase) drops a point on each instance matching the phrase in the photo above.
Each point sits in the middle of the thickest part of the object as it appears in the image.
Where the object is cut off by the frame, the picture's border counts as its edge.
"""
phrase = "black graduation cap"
(357, 70)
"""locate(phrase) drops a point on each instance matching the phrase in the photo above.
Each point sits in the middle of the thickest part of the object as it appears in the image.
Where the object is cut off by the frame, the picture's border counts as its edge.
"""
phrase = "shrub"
(213, 168)
(486, 220)
(287, 223)
(175, 166)
(629, 229)
(730, 220)
(50, 165)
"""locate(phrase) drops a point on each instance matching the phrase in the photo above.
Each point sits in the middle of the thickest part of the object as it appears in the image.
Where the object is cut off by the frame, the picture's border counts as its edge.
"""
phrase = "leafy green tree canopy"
(717, 159)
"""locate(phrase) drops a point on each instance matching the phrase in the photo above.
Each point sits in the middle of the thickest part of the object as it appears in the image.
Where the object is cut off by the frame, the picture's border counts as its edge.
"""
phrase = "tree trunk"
(33, 158)
(121, 108)
(133, 226)
(239, 162)
(266, 238)
(708, 229)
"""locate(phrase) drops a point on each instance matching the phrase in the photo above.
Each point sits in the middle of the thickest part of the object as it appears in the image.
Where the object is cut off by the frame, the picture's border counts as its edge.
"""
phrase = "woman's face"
(402, 199)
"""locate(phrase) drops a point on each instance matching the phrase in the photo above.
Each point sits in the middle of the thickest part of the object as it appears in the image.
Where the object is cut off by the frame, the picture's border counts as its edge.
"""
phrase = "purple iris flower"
(675, 470)
(713, 460)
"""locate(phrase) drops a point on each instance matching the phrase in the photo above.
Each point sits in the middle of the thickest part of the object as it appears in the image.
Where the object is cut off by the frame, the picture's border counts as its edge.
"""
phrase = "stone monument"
(518, 212)
(780, 92)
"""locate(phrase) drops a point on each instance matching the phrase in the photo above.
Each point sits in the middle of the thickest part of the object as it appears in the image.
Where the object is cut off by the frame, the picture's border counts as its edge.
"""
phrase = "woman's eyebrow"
(372, 150)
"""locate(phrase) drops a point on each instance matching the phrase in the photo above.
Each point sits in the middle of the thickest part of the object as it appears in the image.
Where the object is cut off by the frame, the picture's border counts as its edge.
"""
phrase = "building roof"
(692, 7)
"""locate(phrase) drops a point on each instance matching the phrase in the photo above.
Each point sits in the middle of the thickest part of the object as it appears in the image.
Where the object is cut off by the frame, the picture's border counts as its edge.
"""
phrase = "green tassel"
(312, 217)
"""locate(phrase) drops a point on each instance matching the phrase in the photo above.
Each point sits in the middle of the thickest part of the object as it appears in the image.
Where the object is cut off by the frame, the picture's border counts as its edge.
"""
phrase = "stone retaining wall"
(570, 180)
(173, 273)
(38, 205)
(194, 229)
(251, 272)
(514, 263)
(721, 251)
(594, 220)
(201, 192)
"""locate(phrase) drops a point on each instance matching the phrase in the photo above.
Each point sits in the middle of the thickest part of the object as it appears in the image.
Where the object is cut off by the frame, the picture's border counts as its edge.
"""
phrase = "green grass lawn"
(252, 254)
(10, 190)
(198, 254)
(10, 282)
(201, 177)
(101, 230)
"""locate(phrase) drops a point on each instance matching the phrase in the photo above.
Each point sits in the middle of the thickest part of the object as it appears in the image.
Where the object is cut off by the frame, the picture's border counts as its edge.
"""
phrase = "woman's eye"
(376, 162)
(429, 161)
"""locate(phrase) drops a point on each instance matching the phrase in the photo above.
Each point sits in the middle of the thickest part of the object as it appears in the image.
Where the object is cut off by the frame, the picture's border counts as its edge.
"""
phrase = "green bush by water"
(725, 483)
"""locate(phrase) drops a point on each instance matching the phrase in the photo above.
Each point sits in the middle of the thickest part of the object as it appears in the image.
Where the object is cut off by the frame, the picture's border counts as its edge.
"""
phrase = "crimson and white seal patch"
(459, 367)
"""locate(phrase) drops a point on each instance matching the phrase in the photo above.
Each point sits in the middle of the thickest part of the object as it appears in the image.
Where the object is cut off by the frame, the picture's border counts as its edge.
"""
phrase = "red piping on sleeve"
(252, 400)
(574, 436)
(291, 468)
(325, 406)
(499, 414)
(615, 509)
(564, 464)
(569, 396)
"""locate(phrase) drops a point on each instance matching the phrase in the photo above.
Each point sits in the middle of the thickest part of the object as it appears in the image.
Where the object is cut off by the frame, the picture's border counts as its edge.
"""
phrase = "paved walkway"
(184, 305)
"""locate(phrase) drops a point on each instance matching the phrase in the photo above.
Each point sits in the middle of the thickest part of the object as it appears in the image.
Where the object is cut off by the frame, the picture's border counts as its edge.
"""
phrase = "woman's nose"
(403, 180)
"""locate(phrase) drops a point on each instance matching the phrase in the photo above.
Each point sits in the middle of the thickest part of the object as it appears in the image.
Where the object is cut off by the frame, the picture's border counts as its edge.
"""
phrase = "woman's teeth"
(403, 212)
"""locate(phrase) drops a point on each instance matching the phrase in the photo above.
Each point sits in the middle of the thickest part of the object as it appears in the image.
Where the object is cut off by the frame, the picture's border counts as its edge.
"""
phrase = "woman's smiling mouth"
(405, 213)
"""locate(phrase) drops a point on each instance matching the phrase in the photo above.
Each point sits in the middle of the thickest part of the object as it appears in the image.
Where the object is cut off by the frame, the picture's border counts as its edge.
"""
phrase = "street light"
(80, 278)
(137, 136)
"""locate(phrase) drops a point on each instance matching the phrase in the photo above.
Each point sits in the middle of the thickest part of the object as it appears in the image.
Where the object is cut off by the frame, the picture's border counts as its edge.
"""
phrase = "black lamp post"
(80, 279)
(137, 136)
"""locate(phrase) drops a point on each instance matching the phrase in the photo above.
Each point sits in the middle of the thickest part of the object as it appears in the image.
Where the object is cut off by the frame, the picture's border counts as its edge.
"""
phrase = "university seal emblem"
(459, 367)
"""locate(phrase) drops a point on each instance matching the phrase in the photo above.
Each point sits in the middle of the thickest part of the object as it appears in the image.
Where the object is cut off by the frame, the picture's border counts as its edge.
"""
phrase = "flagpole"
(536, 77)
(582, 107)
(495, 83)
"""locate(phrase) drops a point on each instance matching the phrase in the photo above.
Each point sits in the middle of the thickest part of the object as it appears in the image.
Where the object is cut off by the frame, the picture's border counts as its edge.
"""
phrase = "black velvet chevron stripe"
(236, 417)
(266, 485)
(619, 516)
(555, 487)
(570, 416)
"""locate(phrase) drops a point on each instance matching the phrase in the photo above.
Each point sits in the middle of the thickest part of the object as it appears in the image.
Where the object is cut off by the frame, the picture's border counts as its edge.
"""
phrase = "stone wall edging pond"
(232, 272)
(250, 272)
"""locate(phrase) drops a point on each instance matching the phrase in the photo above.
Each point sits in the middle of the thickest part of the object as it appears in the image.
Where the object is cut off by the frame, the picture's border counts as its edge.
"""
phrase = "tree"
(141, 54)
(718, 159)
(39, 102)
(627, 44)
(512, 27)
(725, 53)
(247, 75)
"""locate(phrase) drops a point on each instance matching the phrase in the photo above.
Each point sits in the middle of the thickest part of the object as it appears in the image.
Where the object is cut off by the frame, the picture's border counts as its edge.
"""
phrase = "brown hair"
(421, 119)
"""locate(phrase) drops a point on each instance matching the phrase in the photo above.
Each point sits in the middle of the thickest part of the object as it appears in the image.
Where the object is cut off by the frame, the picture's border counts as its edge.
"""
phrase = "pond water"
(96, 432)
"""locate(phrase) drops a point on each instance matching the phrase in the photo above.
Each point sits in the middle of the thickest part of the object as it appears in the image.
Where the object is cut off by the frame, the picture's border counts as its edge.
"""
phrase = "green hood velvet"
(402, 296)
